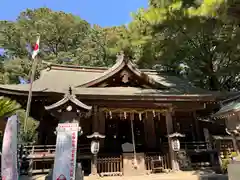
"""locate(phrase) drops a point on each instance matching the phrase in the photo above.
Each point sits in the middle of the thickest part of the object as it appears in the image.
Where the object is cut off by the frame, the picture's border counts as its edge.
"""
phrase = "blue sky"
(102, 12)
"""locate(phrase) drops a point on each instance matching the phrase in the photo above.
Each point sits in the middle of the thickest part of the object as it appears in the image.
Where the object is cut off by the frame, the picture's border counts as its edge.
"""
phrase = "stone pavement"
(171, 176)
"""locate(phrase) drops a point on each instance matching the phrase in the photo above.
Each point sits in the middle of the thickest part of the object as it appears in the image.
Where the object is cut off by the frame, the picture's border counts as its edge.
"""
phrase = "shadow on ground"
(209, 175)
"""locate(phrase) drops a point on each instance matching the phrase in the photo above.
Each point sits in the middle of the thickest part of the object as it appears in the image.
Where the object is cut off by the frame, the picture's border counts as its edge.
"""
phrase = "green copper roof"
(230, 107)
(58, 79)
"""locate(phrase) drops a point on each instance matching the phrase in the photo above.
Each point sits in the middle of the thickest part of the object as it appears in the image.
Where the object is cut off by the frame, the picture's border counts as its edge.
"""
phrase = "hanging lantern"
(175, 144)
(94, 147)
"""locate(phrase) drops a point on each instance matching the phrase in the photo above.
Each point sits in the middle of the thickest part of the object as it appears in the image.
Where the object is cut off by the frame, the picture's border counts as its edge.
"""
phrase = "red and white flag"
(36, 48)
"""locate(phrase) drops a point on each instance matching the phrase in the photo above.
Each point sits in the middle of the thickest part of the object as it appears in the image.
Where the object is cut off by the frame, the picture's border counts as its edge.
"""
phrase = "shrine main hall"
(134, 107)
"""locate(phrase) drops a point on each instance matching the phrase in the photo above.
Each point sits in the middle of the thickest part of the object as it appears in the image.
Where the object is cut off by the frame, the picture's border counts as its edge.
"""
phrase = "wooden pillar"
(95, 128)
(95, 119)
(149, 130)
(173, 158)
(196, 124)
(101, 127)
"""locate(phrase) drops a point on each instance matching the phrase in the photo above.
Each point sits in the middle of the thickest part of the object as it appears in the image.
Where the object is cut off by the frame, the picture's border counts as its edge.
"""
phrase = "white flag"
(36, 48)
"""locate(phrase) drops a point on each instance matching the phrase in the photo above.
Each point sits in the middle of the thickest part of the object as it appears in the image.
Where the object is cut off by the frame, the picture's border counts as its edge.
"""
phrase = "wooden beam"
(169, 125)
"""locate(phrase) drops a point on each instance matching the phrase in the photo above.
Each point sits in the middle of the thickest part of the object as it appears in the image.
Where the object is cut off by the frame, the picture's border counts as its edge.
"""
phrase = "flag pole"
(33, 72)
(34, 67)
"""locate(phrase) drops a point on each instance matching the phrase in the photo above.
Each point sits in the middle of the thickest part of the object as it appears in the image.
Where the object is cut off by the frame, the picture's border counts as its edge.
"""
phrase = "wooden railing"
(110, 166)
(41, 158)
(165, 163)
(41, 149)
(224, 144)
(196, 145)
(193, 145)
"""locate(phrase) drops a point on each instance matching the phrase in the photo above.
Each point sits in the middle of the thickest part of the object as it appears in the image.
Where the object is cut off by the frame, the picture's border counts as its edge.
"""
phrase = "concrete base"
(128, 164)
(79, 174)
(234, 170)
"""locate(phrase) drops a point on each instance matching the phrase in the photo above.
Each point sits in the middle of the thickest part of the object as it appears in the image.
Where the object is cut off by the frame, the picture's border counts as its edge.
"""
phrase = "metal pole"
(34, 67)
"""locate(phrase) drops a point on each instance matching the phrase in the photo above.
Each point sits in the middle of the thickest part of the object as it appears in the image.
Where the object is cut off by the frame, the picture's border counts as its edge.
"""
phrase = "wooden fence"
(164, 161)
(110, 166)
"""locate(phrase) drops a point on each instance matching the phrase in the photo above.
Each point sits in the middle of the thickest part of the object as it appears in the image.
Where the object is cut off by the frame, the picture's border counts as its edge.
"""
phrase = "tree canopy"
(198, 40)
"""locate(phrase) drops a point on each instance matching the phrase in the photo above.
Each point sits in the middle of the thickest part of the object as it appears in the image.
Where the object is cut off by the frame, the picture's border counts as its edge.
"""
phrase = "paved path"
(170, 176)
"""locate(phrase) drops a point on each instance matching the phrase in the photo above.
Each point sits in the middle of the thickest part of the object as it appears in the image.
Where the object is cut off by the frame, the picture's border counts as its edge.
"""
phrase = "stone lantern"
(96, 136)
(175, 148)
(174, 137)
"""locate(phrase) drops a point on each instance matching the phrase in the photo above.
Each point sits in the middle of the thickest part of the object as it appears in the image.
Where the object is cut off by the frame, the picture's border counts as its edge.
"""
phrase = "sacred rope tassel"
(125, 115)
(110, 114)
(140, 116)
(135, 164)
(154, 113)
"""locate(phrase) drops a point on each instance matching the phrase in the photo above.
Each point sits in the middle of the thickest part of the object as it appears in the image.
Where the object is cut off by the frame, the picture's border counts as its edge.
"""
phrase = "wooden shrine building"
(107, 101)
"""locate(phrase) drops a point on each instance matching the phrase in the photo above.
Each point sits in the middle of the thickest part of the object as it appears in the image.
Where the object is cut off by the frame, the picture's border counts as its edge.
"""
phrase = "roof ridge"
(54, 66)
(70, 67)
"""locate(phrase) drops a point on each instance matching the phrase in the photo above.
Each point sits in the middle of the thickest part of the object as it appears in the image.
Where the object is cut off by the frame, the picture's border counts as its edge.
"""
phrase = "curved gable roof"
(69, 97)
(84, 80)
(120, 65)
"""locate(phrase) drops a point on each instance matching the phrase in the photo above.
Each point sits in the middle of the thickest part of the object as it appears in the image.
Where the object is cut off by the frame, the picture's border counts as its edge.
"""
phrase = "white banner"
(65, 156)
(9, 150)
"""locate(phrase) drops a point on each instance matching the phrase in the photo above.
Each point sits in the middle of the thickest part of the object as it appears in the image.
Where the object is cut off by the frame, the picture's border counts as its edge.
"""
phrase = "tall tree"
(60, 32)
(192, 39)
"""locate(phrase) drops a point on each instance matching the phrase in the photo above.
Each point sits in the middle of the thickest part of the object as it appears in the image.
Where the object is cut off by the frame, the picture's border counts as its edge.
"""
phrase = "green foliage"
(226, 160)
(198, 40)
(192, 36)
(65, 39)
(30, 136)
(8, 107)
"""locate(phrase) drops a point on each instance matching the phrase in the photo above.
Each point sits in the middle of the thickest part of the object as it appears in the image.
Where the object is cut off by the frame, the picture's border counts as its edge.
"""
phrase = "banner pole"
(33, 72)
